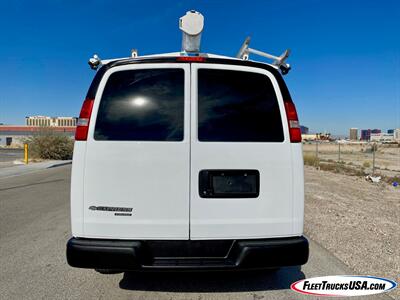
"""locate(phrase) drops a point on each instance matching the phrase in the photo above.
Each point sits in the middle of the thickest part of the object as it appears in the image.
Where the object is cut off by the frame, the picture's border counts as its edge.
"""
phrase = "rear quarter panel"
(298, 188)
(77, 188)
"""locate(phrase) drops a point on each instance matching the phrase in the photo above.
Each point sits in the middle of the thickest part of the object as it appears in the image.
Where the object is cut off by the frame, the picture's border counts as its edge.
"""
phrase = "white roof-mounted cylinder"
(191, 25)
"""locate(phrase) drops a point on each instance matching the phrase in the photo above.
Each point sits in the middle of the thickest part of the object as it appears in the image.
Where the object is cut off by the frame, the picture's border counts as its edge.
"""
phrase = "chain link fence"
(366, 158)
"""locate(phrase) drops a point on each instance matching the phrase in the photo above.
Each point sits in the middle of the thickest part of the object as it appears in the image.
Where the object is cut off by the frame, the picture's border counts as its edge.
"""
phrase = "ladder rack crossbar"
(278, 61)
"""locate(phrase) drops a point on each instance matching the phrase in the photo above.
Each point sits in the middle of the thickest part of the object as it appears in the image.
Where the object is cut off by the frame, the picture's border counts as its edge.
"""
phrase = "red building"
(14, 134)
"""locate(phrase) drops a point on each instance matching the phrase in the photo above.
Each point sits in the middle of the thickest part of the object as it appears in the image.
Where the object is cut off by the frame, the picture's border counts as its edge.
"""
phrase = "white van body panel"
(150, 177)
(268, 215)
(160, 180)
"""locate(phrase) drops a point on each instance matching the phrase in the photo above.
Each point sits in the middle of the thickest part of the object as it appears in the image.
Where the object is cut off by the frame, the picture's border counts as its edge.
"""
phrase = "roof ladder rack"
(191, 25)
(278, 61)
(95, 61)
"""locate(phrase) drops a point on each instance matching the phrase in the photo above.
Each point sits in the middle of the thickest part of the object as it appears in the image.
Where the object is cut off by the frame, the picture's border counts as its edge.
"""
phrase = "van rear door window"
(142, 105)
(237, 106)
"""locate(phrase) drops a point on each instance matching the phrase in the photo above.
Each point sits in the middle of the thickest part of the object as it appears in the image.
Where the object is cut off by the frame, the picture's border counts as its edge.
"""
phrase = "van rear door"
(241, 168)
(136, 183)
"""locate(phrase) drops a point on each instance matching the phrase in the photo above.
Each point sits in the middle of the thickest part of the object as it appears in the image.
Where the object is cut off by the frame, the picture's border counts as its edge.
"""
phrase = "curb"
(18, 170)
(60, 164)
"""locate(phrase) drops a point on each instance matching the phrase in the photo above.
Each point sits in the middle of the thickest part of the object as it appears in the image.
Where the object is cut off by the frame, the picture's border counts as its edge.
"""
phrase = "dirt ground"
(358, 221)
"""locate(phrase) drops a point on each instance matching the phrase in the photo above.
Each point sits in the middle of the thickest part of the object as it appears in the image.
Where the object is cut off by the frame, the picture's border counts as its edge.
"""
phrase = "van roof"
(174, 57)
(179, 54)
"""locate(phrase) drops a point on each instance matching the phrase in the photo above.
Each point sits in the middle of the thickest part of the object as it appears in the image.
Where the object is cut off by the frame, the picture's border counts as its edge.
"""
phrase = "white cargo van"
(187, 162)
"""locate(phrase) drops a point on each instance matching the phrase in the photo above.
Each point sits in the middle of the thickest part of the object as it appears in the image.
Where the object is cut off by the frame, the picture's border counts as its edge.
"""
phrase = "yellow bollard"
(26, 153)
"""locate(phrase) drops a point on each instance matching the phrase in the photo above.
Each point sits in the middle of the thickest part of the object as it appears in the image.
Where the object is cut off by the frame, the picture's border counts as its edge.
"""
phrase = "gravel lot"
(358, 221)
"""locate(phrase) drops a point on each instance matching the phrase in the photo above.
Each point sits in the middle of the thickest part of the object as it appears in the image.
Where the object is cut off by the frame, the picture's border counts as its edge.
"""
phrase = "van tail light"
(82, 127)
(293, 122)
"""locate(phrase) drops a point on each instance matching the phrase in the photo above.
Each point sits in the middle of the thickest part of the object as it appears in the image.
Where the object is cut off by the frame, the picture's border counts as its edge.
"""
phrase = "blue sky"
(345, 54)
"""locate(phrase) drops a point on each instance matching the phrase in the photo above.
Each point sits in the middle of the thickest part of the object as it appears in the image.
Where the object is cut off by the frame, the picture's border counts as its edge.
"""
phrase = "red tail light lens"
(191, 58)
(83, 121)
(293, 122)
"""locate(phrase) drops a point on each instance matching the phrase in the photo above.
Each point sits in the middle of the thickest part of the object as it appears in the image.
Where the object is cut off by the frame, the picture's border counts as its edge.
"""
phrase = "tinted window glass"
(238, 107)
(142, 105)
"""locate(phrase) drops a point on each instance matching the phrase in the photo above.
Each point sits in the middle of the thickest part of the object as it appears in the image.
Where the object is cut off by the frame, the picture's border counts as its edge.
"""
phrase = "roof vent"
(191, 25)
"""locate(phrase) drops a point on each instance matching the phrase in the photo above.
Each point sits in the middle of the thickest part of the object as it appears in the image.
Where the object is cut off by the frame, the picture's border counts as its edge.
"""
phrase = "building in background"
(44, 121)
(326, 136)
(15, 135)
(396, 135)
(376, 131)
(365, 135)
(354, 134)
(382, 137)
(5, 141)
(304, 129)
(390, 131)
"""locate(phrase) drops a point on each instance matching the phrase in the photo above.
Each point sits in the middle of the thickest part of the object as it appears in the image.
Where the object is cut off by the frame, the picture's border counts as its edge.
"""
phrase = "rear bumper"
(182, 255)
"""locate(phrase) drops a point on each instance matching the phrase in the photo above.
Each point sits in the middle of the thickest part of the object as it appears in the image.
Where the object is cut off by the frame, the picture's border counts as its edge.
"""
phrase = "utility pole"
(373, 158)
(316, 152)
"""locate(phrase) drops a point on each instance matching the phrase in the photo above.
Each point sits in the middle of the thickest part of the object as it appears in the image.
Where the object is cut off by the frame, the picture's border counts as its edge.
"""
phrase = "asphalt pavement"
(8, 155)
(35, 226)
